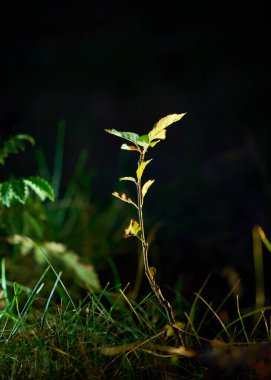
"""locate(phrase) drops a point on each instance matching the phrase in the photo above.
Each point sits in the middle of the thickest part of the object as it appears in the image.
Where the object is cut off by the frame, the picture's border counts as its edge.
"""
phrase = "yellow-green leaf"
(152, 144)
(123, 197)
(132, 179)
(146, 187)
(141, 168)
(159, 129)
(133, 229)
(152, 271)
(264, 238)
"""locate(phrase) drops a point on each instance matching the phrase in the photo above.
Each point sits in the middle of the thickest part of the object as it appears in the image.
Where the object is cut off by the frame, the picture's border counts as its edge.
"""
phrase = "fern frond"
(13, 145)
(18, 190)
(40, 187)
(5, 193)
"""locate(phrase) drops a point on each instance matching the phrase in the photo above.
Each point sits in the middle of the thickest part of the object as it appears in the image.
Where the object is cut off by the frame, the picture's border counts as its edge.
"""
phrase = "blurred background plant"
(71, 232)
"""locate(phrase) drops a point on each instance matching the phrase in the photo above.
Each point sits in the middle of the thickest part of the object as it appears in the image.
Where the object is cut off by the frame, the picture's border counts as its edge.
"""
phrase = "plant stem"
(150, 276)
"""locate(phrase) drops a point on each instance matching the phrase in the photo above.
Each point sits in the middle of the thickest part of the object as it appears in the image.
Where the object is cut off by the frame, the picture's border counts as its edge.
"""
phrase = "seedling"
(141, 144)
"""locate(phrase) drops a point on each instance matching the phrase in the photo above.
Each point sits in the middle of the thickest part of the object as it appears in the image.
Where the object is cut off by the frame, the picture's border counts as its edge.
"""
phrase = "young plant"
(141, 144)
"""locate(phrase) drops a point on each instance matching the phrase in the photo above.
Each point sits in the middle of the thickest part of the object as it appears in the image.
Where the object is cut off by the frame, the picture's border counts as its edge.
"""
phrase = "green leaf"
(152, 144)
(5, 193)
(141, 168)
(133, 229)
(40, 187)
(14, 145)
(123, 197)
(19, 190)
(144, 138)
(159, 129)
(24, 137)
(132, 179)
(146, 187)
(130, 136)
(84, 272)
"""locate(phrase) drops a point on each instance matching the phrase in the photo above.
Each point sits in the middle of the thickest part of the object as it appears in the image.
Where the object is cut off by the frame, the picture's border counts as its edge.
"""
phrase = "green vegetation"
(17, 190)
(58, 319)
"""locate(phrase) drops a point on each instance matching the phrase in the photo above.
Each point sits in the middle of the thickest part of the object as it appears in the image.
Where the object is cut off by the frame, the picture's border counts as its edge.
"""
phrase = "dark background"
(111, 65)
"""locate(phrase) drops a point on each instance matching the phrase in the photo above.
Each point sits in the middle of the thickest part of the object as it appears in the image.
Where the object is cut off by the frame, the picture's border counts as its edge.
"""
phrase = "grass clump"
(104, 335)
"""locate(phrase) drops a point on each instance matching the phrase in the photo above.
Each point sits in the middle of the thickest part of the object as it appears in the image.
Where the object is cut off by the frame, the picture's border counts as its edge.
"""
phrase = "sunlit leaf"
(144, 139)
(133, 229)
(141, 168)
(85, 272)
(159, 129)
(152, 144)
(123, 197)
(169, 329)
(130, 136)
(146, 187)
(129, 147)
(116, 350)
(132, 179)
(152, 349)
(181, 350)
(152, 271)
